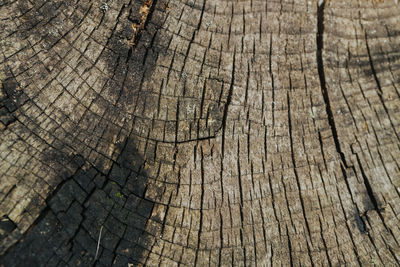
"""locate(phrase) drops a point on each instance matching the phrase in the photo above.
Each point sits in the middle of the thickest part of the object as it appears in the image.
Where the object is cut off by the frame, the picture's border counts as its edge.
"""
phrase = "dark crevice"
(274, 208)
(289, 247)
(221, 239)
(6, 225)
(224, 118)
(321, 74)
(320, 45)
(201, 206)
(346, 180)
(360, 222)
(203, 8)
(321, 144)
(256, 253)
(228, 101)
(368, 187)
(139, 25)
(150, 14)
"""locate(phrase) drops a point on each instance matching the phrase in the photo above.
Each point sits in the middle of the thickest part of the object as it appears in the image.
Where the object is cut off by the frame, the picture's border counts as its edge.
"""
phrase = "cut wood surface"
(199, 132)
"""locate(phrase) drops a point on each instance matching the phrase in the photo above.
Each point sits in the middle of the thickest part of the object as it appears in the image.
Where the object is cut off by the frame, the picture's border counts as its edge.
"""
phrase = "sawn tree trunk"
(199, 132)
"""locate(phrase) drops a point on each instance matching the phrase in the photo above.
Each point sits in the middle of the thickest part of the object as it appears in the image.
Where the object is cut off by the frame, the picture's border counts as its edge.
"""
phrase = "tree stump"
(174, 133)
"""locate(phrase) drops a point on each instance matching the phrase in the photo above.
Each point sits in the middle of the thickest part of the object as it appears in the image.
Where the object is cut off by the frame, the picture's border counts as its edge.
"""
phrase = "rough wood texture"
(226, 133)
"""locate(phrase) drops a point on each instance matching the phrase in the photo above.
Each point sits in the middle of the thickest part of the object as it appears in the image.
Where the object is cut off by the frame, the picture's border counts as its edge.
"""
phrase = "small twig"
(98, 243)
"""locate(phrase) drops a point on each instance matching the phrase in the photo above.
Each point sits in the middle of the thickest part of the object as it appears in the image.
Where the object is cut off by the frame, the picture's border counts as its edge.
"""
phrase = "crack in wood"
(145, 12)
(331, 120)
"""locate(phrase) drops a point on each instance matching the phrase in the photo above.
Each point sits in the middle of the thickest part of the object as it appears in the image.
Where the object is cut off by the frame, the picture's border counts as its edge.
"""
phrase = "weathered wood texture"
(211, 133)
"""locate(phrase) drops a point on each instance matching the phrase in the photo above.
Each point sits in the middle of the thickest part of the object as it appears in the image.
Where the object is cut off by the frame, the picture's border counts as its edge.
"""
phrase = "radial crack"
(321, 74)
